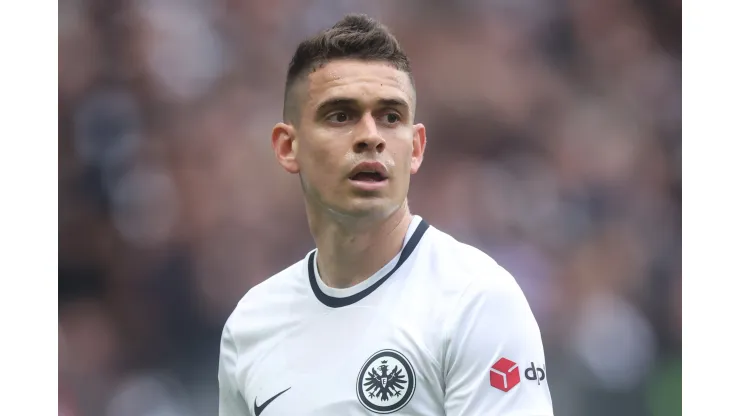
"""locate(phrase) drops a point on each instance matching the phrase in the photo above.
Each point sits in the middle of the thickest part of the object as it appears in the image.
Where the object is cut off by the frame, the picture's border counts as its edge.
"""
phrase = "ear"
(285, 146)
(419, 144)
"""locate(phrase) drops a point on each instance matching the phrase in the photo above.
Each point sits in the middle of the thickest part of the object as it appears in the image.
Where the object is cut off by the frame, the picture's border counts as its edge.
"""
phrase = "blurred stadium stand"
(554, 145)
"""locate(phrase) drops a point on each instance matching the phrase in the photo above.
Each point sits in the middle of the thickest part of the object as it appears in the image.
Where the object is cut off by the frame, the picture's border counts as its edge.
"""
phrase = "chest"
(353, 361)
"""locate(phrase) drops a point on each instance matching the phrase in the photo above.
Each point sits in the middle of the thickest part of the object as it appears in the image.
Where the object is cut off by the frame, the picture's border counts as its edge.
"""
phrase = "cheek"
(322, 160)
(401, 152)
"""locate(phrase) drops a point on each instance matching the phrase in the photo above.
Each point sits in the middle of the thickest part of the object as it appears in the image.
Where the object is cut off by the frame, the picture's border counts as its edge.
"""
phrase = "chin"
(376, 208)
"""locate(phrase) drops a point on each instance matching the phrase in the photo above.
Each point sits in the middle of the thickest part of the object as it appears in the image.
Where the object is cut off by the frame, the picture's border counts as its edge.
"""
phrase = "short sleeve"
(230, 400)
(494, 361)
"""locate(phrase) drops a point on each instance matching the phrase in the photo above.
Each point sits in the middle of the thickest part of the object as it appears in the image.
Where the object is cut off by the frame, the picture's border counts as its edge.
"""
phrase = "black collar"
(334, 302)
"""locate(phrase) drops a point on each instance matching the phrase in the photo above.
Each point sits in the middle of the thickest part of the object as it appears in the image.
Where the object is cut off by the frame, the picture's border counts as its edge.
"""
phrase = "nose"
(368, 138)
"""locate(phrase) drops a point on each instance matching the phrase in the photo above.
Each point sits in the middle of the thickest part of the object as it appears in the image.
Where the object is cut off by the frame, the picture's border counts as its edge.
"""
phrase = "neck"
(349, 252)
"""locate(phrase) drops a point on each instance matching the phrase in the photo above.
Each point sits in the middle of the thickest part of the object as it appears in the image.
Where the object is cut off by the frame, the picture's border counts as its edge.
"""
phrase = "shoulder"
(263, 298)
(471, 284)
(473, 293)
(479, 292)
(467, 268)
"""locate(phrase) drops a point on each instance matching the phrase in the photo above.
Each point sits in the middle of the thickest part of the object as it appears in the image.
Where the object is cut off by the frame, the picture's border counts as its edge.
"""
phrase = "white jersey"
(442, 329)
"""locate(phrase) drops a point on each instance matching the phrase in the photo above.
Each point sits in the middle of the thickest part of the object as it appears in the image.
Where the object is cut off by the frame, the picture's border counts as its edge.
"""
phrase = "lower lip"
(368, 185)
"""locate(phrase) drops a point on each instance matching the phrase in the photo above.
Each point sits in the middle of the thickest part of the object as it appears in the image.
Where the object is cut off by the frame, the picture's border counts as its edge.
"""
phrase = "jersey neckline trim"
(337, 302)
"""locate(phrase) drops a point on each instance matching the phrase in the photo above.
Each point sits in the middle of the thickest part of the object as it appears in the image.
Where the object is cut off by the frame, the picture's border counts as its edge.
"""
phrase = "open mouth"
(368, 177)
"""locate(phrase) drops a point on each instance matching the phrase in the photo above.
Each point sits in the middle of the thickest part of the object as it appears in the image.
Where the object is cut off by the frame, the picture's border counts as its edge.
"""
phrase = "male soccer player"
(388, 315)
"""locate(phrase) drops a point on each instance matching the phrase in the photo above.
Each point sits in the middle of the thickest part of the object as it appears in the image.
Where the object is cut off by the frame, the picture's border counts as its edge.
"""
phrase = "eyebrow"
(351, 102)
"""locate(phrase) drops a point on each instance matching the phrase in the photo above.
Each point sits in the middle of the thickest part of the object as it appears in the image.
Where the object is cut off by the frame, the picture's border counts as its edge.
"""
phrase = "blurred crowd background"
(554, 145)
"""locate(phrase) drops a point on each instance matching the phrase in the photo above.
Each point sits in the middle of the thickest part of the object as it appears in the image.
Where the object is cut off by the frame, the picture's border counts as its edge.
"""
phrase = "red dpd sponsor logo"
(505, 374)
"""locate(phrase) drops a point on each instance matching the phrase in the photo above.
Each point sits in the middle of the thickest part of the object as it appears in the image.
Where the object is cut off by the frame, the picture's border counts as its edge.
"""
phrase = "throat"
(343, 271)
(346, 262)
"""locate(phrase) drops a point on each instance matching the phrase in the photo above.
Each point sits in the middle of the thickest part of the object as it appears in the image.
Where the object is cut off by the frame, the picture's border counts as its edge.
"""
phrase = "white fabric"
(442, 319)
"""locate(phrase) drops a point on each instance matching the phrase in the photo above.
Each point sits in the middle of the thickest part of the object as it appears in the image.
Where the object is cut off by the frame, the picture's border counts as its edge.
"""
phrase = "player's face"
(356, 145)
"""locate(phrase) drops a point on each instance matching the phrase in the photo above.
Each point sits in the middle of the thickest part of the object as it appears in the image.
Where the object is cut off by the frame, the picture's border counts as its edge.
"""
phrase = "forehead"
(363, 81)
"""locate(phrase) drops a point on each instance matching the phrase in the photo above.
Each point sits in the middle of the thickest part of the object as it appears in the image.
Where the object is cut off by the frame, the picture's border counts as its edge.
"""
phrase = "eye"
(392, 118)
(338, 117)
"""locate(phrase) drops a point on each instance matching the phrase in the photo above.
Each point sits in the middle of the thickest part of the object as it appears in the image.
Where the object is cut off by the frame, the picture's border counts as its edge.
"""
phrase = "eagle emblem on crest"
(379, 382)
(386, 382)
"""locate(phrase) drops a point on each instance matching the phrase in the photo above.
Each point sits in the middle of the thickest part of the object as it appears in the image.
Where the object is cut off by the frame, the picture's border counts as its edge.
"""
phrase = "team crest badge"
(386, 382)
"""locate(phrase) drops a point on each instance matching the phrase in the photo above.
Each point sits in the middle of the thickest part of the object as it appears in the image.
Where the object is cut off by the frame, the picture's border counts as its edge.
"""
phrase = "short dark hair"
(356, 36)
